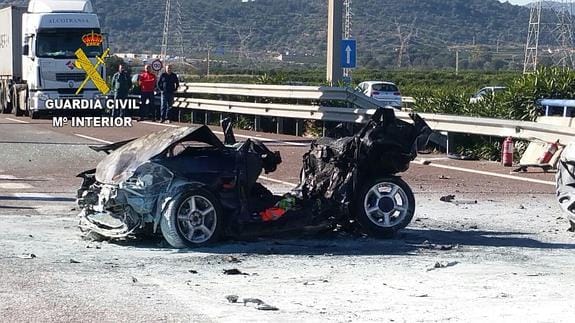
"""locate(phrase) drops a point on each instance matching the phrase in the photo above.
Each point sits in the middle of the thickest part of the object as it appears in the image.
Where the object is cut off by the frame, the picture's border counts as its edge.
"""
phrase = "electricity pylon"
(531, 48)
(166, 31)
(563, 55)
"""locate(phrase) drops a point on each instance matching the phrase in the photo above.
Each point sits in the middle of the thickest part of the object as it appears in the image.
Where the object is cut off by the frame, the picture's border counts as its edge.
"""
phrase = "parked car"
(188, 186)
(387, 92)
(488, 90)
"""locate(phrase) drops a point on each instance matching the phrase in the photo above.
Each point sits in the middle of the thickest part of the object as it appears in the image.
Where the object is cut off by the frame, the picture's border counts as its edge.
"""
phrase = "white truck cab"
(51, 32)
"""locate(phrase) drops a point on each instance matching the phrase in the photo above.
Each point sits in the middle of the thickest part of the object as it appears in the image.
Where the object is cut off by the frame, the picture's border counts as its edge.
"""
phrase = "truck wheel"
(3, 102)
(34, 114)
(3, 105)
(16, 109)
(384, 206)
(193, 219)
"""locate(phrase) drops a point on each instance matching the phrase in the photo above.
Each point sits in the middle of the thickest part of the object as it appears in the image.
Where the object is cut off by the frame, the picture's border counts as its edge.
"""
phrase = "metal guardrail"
(360, 109)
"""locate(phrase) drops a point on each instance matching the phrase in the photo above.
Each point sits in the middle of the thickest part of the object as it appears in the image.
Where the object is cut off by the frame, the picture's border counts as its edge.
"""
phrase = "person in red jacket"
(147, 83)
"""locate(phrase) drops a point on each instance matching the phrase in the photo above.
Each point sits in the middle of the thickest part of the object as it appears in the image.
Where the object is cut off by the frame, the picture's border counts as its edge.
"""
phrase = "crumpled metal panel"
(123, 162)
(386, 145)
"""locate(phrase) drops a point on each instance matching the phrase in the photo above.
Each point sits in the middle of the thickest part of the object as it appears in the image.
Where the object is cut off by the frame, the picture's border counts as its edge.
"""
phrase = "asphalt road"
(501, 253)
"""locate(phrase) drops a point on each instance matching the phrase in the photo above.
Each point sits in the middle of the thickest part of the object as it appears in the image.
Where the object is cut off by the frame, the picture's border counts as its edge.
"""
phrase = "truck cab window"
(64, 44)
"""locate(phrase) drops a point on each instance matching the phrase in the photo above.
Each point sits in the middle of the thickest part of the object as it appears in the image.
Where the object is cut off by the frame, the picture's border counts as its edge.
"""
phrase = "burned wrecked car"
(187, 185)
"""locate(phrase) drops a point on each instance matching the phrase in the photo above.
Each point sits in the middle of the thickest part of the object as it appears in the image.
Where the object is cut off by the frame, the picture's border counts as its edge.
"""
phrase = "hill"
(409, 33)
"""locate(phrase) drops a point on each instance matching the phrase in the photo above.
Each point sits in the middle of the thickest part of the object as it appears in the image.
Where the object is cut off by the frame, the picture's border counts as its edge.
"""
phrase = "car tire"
(564, 195)
(384, 206)
(194, 211)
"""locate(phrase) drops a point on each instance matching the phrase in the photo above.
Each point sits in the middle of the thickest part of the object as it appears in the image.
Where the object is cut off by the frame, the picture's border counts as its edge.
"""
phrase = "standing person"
(168, 84)
(121, 84)
(147, 83)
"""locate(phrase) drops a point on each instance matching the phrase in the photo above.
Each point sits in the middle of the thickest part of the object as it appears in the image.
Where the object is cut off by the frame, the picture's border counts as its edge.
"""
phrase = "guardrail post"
(279, 125)
(299, 128)
(257, 123)
(451, 143)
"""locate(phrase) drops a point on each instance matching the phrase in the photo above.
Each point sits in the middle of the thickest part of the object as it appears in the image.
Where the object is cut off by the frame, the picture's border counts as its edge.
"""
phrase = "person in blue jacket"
(168, 85)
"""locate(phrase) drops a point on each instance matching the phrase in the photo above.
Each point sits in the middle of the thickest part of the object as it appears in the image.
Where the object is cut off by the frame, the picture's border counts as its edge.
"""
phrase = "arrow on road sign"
(348, 55)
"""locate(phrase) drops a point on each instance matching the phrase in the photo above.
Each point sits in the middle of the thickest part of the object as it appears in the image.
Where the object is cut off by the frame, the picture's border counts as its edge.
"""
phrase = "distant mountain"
(408, 33)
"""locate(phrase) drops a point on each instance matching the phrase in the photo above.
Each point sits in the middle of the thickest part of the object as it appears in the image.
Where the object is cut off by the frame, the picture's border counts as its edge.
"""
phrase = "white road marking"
(287, 143)
(16, 120)
(33, 195)
(277, 181)
(43, 197)
(467, 170)
(15, 186)
(160, 124)
(92, 138)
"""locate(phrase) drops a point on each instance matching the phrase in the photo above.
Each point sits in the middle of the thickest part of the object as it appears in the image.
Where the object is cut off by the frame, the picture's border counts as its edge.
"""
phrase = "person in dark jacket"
(147, 81)
(168, 85)
(121, 85)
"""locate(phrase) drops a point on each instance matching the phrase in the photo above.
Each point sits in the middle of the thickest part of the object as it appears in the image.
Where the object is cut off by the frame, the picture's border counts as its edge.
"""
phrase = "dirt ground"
(501, 259)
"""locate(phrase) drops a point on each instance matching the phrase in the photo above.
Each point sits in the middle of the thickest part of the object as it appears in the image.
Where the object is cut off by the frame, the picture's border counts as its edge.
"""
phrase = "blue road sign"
(348, 53)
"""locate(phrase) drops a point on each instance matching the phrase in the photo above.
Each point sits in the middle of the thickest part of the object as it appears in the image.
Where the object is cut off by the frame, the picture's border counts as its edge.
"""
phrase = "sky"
(519, 2)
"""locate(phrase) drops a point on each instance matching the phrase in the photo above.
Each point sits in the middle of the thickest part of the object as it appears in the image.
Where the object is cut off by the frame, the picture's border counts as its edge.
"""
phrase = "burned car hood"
(122, 162)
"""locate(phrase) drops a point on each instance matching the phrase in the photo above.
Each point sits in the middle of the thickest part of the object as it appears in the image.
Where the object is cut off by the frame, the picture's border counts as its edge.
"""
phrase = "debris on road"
(447, 198)
(451, 199)
(232, 259)
(232, 298)
(266, 307)
(441, 247)
(234, 271)
(74, 261)
(260, 305)
(443, 264)
(27, 256)
(444, 177)
(256, 301)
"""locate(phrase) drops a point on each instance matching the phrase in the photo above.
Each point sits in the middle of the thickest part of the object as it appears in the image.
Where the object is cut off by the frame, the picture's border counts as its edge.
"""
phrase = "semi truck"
(38, 47)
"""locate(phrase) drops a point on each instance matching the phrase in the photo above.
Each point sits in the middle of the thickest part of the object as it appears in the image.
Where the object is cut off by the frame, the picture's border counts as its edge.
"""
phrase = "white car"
(488, 90)
(386, 92)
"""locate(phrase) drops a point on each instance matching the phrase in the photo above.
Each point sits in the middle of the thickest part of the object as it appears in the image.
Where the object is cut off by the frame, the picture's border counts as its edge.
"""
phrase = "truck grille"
(69, 92)
(76, 77)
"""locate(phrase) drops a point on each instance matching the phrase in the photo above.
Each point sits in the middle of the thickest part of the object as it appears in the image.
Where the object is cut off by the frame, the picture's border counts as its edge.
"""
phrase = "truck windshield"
(64, 43)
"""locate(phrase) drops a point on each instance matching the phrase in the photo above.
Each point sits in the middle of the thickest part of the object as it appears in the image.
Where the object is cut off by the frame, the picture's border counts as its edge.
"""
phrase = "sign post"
(334, 71)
